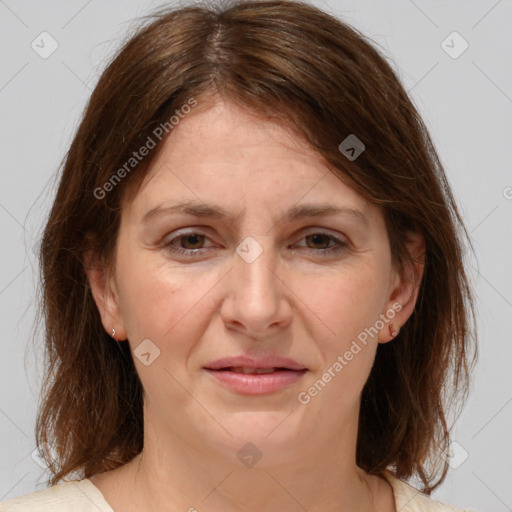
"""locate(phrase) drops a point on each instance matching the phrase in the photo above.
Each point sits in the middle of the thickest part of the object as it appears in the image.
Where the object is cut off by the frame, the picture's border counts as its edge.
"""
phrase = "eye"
(324, 239)
(187, 243)
(192, 244)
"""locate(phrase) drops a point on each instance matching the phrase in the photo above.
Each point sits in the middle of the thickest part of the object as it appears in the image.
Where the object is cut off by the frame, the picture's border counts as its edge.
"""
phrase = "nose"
(257, 301)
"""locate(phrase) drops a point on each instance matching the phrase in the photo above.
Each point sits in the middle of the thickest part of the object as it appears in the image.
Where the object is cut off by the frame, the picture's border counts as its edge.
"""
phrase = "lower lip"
(257, 384)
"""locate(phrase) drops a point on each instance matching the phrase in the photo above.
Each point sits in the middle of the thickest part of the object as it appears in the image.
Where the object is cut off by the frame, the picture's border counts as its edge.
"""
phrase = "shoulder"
(409, 499)
(76, 495)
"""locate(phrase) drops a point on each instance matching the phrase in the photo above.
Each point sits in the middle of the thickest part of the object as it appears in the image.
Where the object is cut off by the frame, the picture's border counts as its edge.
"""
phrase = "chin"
(267, 432)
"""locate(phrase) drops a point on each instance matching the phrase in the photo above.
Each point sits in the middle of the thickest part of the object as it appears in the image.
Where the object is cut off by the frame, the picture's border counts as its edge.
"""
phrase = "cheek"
(166, 305)
(348, 306)
(346, 302)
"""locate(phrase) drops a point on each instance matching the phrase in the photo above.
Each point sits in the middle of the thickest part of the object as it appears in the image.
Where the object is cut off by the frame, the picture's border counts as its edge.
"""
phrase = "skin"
(292, 301)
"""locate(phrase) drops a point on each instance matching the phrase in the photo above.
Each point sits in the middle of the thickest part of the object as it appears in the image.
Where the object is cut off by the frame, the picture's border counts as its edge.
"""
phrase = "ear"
(405, 288)
(105, 295)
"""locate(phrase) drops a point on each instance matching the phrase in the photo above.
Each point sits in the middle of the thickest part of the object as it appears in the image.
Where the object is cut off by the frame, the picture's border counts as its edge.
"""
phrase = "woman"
(254, 294)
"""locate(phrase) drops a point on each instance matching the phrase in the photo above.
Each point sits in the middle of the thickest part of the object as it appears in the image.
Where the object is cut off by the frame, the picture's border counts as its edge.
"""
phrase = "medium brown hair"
(289, 62)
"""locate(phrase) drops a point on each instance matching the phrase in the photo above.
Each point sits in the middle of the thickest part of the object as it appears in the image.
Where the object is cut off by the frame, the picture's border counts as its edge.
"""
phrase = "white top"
(84, 496)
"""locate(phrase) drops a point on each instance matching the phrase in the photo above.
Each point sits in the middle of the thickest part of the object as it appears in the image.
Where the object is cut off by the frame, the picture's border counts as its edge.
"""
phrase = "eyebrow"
(295, 213)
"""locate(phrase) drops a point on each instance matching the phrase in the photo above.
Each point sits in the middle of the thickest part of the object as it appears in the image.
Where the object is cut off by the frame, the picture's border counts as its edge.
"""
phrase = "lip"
(252, 362)
(288, 372)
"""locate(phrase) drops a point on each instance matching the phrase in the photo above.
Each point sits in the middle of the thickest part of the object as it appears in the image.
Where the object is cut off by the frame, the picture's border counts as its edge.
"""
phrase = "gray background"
(465, 101)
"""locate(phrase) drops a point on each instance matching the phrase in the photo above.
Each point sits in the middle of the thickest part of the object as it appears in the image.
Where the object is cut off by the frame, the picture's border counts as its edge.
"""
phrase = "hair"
(288, 62)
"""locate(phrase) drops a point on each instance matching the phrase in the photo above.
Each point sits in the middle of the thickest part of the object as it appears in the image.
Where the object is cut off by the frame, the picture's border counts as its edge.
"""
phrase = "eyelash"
(331, 251)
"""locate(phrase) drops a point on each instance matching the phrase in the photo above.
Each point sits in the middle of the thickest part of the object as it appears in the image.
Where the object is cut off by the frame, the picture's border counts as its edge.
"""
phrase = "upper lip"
(251, 362)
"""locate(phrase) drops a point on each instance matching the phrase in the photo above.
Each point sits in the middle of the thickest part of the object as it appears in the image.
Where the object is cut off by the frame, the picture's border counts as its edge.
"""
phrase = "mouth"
(256, 377)
(246, 370)
(246, 364)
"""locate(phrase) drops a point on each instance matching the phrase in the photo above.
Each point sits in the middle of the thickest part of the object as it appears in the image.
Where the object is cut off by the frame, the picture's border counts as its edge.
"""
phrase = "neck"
(190, 476)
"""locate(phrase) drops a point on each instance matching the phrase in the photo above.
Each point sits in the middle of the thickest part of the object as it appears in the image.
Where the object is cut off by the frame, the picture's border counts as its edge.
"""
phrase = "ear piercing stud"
(113, 334)
(393, 332)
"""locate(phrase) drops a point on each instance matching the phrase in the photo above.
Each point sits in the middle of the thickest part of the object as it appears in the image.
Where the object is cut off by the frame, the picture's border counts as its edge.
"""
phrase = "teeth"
(251, 371)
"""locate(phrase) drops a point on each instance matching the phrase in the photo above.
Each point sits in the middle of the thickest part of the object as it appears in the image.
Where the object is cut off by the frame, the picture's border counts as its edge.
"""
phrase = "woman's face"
(253, 269)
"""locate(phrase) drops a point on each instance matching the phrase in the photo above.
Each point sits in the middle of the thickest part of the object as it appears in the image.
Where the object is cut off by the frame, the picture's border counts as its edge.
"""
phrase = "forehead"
(224, 133)
(225, 154)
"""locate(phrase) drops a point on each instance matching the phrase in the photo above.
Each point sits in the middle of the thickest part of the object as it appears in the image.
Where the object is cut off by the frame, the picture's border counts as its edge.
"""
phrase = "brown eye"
(191, 241)
(190, 244)
(324, 244)
(319, 239)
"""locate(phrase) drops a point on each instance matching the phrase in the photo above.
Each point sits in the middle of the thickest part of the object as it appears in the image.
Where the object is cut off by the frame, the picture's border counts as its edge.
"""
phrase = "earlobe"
(393, 332)
(406, 289)
(105, 296)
